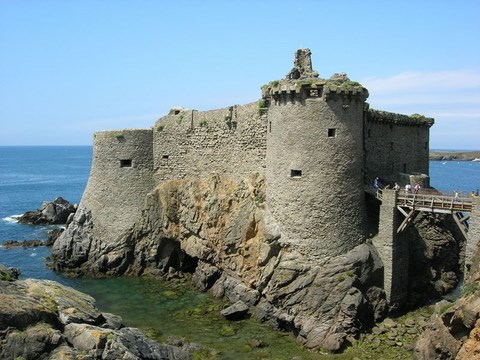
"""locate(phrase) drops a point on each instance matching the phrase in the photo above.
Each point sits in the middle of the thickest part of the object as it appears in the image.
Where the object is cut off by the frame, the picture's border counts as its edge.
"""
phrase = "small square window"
(296, 173)
(165, 157)
(331, 132)
(126, 163)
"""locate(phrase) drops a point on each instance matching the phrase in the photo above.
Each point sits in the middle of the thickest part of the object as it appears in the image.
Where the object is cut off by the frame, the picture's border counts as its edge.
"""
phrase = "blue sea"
(30, 175)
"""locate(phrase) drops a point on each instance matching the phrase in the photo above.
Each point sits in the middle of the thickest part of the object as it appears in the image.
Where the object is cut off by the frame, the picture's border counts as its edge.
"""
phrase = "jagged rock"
(72, 249)
(54, 212)
(436, 343)
(54, 234)
(205, 276)
(112, 321)
(452, 332)
(236, 311)
(27, 243)
(434, 257)
(8, 274)
(33, 343)
(42, 319)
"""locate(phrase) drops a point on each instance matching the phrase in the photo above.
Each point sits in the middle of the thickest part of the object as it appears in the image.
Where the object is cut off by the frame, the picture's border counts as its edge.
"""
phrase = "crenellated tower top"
(303, 82)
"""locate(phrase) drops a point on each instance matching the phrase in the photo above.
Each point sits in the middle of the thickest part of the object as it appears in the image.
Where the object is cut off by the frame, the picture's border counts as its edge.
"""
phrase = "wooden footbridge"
(411, 204)
(398, 209)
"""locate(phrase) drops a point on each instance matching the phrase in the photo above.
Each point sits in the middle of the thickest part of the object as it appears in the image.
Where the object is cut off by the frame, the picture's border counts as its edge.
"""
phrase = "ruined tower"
(315, 159)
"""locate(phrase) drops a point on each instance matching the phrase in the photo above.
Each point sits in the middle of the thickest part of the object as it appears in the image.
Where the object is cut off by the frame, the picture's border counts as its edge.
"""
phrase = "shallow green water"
(164, 310)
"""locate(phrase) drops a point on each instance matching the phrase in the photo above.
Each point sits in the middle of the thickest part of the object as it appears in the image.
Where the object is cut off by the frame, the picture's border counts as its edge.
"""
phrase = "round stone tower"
(315, 159)
(121, 175)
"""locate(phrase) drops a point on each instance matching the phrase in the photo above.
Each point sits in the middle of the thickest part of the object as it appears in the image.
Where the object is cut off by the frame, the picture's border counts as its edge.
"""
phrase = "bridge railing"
(435, 201)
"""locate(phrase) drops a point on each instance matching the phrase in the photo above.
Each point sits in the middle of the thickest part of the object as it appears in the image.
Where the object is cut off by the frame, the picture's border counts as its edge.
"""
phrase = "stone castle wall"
(314, 168)
(120, 178)
(191, 143)
(313, 140)
(395, 144)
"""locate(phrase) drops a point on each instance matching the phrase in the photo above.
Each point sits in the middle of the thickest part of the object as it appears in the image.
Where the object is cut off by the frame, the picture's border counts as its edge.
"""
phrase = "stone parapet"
(378, 116)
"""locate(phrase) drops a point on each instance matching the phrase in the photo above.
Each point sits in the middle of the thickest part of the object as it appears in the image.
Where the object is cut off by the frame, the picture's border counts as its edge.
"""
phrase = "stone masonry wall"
(120, 178)
(395, 144)
(228, 141)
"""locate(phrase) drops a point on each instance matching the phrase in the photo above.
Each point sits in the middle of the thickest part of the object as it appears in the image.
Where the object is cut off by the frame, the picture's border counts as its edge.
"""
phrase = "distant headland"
(445, 155)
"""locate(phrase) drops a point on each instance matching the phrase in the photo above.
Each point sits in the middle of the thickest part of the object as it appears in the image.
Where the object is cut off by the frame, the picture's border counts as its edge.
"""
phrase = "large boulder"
(49, 213)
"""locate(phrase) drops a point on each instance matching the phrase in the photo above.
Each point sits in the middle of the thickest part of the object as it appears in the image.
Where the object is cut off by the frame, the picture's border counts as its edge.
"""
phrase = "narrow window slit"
(126, 163)
(295, 173)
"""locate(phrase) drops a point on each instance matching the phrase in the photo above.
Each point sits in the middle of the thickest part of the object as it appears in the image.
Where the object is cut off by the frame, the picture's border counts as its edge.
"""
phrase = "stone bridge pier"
(392, 243)
(393, 250)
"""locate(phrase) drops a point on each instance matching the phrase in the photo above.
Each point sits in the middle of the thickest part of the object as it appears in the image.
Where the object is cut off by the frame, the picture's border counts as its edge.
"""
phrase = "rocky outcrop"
(8, 274)
(435, 247)
(42, 319)
(453, 332)
(27, 243)
(221, 231)
(454, 155)
(49, 213)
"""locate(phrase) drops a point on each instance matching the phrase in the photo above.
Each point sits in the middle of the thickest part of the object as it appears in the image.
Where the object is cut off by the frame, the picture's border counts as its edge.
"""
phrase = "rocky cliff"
(222, 232)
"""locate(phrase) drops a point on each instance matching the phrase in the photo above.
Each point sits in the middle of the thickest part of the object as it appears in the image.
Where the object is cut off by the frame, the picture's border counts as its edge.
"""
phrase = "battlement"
(314, 88)
(385, 117)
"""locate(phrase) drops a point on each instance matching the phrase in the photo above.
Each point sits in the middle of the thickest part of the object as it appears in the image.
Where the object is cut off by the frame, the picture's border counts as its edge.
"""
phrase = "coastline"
(454, 155)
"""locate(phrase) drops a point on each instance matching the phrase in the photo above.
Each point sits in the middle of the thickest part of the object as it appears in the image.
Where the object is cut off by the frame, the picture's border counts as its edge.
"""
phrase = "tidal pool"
(162, 310)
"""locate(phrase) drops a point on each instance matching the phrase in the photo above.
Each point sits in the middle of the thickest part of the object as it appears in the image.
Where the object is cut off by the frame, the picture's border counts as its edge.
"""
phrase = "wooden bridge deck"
(434, 203)
(410, 204)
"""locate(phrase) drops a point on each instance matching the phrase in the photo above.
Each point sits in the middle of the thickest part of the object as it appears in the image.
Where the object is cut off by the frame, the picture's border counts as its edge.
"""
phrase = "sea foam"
(11, 219)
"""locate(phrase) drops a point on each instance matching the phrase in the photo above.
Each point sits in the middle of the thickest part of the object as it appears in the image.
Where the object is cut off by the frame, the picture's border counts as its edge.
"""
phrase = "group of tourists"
(378, 184)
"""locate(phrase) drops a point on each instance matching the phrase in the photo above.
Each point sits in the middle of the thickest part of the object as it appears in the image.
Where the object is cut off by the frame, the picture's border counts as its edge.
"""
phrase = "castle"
(316, 142)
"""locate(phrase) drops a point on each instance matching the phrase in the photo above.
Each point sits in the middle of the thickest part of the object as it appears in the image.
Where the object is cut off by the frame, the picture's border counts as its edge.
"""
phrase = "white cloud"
(426, 81)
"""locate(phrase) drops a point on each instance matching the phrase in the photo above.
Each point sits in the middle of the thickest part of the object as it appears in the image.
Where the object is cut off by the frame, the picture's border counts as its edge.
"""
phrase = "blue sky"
(69, 68)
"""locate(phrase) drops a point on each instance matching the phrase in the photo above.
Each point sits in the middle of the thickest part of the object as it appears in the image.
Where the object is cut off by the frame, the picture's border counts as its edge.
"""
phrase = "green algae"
(164, 310)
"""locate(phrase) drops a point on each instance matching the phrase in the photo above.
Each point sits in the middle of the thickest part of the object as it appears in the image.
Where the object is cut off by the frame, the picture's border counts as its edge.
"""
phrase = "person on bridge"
(408, 189)
(417, 188)
(396, 187)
